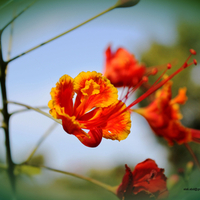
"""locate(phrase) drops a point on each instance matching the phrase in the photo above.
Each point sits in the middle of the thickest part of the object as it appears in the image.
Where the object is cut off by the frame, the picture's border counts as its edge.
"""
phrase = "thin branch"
(10, 42)
(193, 155)
(27, 109)
(109, 9)
(35, 109)
(103, 185)
(18, 15)
(46, 134)
(5, 4)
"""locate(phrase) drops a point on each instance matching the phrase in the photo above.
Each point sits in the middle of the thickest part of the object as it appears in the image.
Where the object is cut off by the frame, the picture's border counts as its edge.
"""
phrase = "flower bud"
(126, 3)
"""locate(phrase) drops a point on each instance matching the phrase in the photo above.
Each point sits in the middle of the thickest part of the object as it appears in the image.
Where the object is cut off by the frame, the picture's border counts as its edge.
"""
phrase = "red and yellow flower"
(89, 108)
(145, 182)
(163, 116)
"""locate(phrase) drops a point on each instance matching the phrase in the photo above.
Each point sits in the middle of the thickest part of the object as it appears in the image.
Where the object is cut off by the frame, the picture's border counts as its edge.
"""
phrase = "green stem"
(18, 15)
(193, 155)
(5, 4)
(35, 109)
(27, 109)
(109, 9)
(6, 118)
(49, 130)
(103, 185)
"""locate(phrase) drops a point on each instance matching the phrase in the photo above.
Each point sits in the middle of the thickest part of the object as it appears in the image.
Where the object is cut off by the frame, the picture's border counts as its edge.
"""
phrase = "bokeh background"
(156, 32)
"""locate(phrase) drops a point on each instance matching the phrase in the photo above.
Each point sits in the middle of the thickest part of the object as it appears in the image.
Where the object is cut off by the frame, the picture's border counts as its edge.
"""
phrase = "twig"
(103, 185)
(18, 15)
(49, 130)
(35, 109)
(109, 9)
(193, 155)
(27, 109)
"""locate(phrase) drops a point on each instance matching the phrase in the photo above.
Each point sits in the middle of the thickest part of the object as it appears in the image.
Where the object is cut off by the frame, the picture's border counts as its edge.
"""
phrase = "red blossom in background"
(163, 115)
(147, 181)
(122, 69)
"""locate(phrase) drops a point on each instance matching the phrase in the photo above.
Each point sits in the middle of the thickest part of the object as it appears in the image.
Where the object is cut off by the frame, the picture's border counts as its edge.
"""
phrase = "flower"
(122, 69)
(146, 181)
(163, 116)
(90, 102)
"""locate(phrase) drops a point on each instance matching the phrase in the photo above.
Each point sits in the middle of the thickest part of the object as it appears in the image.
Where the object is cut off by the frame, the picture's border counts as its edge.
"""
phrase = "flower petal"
(97, 89)
(94, 139)
(62, 96)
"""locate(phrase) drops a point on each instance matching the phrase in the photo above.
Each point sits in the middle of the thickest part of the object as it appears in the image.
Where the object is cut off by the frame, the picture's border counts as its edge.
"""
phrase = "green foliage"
(27, 170)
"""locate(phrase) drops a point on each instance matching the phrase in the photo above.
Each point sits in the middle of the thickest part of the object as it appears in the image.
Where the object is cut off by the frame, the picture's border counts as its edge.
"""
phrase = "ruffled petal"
(96, 91)
(62, 96)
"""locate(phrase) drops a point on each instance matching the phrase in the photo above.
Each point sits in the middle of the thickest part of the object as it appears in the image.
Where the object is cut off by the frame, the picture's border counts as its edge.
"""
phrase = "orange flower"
(90, 102)
(122, 69)
(163, 115)
(146, 181)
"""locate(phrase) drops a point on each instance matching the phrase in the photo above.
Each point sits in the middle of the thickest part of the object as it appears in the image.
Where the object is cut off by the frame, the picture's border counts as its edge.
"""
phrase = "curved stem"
(27, 109)
(18, 15)
(107, 10)
(35, 109)
(49, 130)
(193, 155)
(103, 185)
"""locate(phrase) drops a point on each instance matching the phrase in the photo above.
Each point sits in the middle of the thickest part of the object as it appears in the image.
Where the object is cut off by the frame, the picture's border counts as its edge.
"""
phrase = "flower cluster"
(89, 109)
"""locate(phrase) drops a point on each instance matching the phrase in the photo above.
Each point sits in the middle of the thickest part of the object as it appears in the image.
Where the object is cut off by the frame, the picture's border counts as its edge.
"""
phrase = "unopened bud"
(126, 3)
(189, 165)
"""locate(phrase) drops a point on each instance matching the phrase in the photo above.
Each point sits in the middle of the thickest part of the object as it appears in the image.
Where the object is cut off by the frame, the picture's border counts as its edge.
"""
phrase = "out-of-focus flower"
(147, 181)
(90, 102)
(163, 116)
(122, 68)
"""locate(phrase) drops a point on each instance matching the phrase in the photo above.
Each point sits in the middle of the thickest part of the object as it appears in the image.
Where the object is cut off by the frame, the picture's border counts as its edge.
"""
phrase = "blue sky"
(31, 77)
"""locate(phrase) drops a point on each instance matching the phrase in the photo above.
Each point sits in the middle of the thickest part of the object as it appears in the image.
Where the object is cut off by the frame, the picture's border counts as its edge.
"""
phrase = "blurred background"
(156, 32)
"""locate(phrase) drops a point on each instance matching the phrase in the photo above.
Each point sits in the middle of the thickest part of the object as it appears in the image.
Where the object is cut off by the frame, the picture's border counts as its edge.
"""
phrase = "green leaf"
(27, 170)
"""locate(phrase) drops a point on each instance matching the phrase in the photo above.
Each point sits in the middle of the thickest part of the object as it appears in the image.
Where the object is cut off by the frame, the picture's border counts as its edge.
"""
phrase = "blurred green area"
(184, 186)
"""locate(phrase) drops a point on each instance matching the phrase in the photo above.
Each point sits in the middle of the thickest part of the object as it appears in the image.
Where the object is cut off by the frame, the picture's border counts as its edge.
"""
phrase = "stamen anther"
(195, 61)
(145, 79)
(169, 66)
(193, 52)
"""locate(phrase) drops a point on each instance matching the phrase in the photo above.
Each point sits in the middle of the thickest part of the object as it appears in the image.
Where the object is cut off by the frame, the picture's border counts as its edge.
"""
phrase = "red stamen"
(185, 65)
(157, 85)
